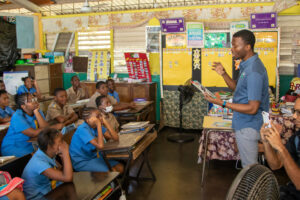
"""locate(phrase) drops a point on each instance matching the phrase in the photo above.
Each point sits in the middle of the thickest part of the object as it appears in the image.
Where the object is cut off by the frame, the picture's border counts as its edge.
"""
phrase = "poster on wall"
(98, 65)
(237, 26)
(195, 35)
(176, 40)
(174, 25)
(13, 80)
(152, 39)
(263, 20)
(138, 66)
(216, 40)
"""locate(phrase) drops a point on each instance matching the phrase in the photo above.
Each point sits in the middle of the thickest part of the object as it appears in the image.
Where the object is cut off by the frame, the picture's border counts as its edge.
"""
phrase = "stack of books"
(133, 127)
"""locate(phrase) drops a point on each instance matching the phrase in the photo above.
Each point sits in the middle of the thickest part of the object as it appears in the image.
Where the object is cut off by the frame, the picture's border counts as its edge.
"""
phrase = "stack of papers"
(132, 125)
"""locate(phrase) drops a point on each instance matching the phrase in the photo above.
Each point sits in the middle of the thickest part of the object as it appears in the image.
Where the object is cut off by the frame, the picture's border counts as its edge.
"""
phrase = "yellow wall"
(295, 10)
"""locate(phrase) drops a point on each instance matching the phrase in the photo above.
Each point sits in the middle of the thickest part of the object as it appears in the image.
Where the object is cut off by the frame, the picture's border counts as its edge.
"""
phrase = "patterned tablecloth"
(221, 145)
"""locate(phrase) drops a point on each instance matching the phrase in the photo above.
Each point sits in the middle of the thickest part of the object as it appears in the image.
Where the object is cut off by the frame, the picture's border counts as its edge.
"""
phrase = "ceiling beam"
(28, 5)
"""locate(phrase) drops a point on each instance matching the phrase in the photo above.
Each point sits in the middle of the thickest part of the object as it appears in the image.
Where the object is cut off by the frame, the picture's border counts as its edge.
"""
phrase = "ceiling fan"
(86, 8)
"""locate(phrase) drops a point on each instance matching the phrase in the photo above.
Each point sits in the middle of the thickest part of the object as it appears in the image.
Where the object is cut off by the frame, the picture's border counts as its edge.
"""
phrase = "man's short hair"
(57, 90)
(72, 79)
(247, 36)
(3, 92)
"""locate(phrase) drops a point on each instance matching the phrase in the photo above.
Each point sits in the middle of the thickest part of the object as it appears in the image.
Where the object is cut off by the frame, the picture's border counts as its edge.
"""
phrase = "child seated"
(25, 123)
(30, 86)
(90, 137)
(59, 111)
(111, 89)
(11, 188)
(43, 173)
(5, 111)
(11, 97)
(105, 107)
(77, 91)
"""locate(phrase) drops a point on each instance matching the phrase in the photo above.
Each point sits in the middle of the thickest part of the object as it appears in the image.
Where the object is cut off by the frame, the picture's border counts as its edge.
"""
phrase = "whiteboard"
(13, 80)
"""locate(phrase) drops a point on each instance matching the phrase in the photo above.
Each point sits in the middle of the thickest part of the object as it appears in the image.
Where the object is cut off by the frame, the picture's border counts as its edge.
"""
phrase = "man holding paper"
(251, 95)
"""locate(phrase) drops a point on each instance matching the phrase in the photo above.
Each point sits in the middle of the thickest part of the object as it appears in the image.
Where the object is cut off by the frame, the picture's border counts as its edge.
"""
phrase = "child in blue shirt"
(111, 89)
(5, 111)
(28, 87)
(25, 123)
(43, 173)
(90, 137)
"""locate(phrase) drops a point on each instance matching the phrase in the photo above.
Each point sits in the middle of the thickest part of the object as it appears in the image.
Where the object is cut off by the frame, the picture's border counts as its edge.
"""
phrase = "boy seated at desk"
(102, 89)
(77, 91)
(5, 111)
(111, 89)
(105, 107)
(26, 123)
(90, 137)
(42, 173)
(59, 111)
(30, 86)
(11, 97)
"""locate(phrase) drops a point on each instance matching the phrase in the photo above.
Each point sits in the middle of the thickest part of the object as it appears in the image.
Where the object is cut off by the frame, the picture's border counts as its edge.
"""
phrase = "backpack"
(7, 184)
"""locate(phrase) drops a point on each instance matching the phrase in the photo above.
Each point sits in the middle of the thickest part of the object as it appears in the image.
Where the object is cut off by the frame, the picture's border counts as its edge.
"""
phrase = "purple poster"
(173, 25)
(263, 20)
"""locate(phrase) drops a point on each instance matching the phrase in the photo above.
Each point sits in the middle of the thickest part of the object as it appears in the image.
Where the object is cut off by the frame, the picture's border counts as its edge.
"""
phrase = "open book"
(203, 89)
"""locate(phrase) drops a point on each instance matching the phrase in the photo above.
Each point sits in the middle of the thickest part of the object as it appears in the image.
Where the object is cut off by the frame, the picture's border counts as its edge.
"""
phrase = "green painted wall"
(284, 84)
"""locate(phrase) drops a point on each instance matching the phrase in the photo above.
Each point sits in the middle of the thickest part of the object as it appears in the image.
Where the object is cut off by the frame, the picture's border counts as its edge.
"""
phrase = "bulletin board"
(266, 48)
(98, 65)
(13, 80)
(177, 66)
(209, 77)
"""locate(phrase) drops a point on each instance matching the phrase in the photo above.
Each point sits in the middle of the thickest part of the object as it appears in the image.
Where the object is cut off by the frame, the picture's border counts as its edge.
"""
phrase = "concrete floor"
(179, 176)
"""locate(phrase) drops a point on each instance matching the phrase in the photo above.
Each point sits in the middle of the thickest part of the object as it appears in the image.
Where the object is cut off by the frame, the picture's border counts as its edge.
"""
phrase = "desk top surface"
(85, 185)
(138, 108)
(210, 122)
(127, 141)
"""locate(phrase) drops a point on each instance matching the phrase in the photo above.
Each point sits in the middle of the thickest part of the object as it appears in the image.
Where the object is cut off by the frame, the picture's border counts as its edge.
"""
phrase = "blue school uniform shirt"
(36, 184)
(253, 84)
(6, 112)
(80, 148)
(23, 89)
(115, 95)
(15, 142)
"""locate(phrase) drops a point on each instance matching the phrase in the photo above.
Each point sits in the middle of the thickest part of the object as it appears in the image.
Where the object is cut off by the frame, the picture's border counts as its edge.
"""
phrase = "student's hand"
(273, 137)
(94, 120)
(35, 83)
(218, 67)
(103, 118)
(63, 149)
(263, 132)
(212, 100)
(58, 126)
(36, 107)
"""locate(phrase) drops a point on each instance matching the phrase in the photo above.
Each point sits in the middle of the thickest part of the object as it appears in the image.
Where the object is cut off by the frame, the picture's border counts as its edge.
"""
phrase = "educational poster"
(266, 48)
(195, 35)
(209, 78)
(216, 40)
(138, 66)
(13, 80)
(176, 41)
(177, 66)
(98, 65)
(152, 39)
(196, 66)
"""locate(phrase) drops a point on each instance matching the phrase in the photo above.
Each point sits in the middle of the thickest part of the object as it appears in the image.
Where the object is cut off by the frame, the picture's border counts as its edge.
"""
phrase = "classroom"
(150, 99)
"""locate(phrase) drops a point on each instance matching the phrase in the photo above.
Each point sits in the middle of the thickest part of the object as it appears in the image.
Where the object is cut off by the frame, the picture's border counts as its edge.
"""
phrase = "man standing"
(287, 156)
(251, 95)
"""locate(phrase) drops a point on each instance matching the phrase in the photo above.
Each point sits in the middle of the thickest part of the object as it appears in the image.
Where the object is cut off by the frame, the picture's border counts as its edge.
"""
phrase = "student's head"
(60, 96)
(104, 104)
(75, 81)
(296, 113)
(2, 85)
(242, 44)
(88, 114)
(27, 81)
(49, 140)
(26, 102)
(4, 100)
(101, 87)
(110, 85)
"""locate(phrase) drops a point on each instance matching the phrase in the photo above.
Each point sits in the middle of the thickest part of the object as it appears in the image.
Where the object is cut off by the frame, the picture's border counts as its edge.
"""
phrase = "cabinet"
(129, 91)
(48, 76)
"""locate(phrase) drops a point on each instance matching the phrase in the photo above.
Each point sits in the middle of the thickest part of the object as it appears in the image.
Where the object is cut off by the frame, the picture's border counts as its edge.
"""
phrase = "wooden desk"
(86, 185)
(129, 147)
(140, 113)
(209, 125)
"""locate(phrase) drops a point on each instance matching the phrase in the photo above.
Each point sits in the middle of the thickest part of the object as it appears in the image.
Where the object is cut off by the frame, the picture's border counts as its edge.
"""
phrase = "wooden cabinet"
(129, 91)
(48, 76)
